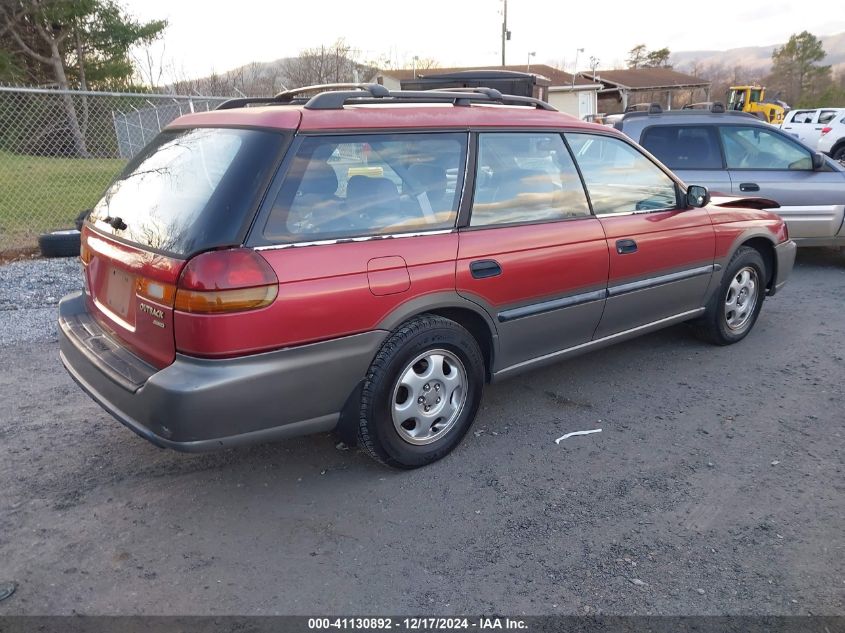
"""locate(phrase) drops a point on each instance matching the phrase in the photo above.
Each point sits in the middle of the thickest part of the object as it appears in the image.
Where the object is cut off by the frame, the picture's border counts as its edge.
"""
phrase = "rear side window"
(619, 178)
(759, 148)
(525, 177)
(826, 116)
(190, 190)
(684, 147)
(803, 116)
(373, 184)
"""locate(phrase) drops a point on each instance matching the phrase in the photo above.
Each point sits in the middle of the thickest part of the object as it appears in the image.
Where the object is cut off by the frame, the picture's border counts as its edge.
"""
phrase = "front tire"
(734, 308)
(421, 393)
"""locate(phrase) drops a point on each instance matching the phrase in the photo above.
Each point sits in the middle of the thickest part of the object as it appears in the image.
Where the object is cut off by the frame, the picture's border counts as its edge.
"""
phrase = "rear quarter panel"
(327, 291)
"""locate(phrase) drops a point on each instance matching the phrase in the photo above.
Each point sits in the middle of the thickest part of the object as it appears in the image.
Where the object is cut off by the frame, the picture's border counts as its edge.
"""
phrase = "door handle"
(749, 186)
(484, 268)
(626, 246)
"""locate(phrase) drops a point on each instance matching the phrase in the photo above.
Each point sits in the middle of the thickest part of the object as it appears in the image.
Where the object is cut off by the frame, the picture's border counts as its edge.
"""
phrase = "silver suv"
(736, 154)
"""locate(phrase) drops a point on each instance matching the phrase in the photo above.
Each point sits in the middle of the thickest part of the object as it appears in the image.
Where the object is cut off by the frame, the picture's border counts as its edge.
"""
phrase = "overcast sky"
(207, 35)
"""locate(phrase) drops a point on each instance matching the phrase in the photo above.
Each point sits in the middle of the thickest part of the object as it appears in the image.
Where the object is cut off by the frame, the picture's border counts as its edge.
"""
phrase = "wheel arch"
(449, 305)
(766, 247)
(477, 326)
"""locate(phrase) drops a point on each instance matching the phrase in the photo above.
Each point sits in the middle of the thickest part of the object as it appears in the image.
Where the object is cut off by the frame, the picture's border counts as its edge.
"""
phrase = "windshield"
(190, 190)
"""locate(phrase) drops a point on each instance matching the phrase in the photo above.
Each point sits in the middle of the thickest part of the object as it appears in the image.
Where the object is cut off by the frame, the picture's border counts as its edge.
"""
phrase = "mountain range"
(757, 60)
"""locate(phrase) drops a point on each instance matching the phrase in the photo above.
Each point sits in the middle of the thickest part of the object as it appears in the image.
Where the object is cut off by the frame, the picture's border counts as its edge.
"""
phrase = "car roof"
(373, 106)
(384, 116)
(641, 120)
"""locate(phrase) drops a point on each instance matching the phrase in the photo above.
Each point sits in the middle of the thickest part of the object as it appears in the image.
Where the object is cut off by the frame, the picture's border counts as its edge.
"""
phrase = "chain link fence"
(60, 149)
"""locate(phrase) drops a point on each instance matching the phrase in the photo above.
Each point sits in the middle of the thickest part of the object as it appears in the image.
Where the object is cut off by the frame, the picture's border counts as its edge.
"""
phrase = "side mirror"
(818, 161)
(697, 196)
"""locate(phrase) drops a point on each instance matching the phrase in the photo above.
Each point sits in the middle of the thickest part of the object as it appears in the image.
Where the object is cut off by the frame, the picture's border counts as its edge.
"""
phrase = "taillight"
(84, 252)
(226, 281)
(85, 257)
(825, 130)
(157, 291)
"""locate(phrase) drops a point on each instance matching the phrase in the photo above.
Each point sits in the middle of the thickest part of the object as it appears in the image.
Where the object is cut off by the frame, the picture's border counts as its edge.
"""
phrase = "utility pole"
(575, 68)
(506, 35)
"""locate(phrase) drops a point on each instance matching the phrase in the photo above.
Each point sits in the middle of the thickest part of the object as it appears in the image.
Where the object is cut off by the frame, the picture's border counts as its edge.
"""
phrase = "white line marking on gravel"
(574, 433)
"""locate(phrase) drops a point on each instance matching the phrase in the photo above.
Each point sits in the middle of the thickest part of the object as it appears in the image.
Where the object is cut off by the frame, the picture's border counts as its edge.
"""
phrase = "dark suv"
(365, 260)
(738, 154)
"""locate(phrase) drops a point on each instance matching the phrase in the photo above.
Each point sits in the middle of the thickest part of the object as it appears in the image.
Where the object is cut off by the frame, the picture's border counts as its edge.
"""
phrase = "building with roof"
(669, 88)
(574, 95)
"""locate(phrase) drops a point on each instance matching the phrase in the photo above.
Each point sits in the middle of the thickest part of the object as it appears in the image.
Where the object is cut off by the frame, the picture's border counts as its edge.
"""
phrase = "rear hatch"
(189, 191)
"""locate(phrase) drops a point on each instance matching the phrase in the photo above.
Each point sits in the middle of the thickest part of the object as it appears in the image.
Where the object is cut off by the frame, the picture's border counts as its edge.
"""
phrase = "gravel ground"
(29, 293)
(715, 487)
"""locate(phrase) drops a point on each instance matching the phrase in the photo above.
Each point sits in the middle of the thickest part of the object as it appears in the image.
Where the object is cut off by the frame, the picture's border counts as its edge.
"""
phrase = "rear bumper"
(785, 256)
(200, 404)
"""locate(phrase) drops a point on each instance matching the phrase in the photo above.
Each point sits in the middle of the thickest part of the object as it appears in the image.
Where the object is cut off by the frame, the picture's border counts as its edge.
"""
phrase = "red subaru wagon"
(363, 260)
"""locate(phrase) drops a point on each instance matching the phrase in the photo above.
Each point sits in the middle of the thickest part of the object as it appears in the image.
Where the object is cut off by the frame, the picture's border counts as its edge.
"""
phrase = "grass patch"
(39, 193)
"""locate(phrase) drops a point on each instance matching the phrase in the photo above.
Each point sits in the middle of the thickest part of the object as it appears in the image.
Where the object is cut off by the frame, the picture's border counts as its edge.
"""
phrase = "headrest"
(319, 178)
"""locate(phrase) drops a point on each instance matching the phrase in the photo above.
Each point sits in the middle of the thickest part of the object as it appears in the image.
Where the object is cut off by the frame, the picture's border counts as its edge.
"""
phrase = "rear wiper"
(116, 223)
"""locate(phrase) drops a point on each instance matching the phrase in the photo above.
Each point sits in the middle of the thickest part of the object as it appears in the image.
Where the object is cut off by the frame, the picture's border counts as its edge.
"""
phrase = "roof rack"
(375, 90)
(714, 108)
(335, 96)
(298, 94)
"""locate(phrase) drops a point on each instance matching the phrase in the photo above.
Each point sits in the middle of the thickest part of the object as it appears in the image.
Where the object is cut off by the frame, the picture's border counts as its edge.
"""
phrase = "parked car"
(364, 260)
(737, 154)
(807, 125)
(832, 141)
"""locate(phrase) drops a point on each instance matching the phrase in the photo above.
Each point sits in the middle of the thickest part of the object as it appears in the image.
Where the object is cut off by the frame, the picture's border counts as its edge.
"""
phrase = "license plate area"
(119, 290)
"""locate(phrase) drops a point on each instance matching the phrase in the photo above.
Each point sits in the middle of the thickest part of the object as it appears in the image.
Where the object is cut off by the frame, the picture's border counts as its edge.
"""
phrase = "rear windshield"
(190, 190)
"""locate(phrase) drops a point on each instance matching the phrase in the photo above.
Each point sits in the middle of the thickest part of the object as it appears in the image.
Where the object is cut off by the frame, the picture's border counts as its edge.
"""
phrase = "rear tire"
(734, 308)
(421, 393)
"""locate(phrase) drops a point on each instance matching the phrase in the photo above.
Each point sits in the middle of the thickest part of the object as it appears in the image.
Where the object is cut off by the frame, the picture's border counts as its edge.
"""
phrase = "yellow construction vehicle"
(752, 99)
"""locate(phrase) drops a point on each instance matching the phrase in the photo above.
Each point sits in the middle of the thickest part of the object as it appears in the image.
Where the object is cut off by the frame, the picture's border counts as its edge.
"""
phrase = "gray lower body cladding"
(199, 404)
(785, 260)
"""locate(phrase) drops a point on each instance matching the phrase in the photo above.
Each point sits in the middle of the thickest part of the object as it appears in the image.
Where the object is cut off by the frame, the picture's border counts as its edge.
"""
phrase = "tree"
(424, 63)
(79, 44)
(796, 69)
(658, 58)
(637, 56)
(327, 64)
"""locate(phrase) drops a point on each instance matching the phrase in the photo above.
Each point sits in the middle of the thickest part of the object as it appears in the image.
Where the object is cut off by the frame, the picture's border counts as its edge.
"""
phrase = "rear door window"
(803, 116)
(190, 190)
(619, 178)
(684, 146)
(826, 116)
(759, 148)
(525, 177)
(369, 184)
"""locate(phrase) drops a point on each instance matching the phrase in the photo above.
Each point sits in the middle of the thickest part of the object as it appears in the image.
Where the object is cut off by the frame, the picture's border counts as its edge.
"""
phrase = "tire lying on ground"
(59, 243)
